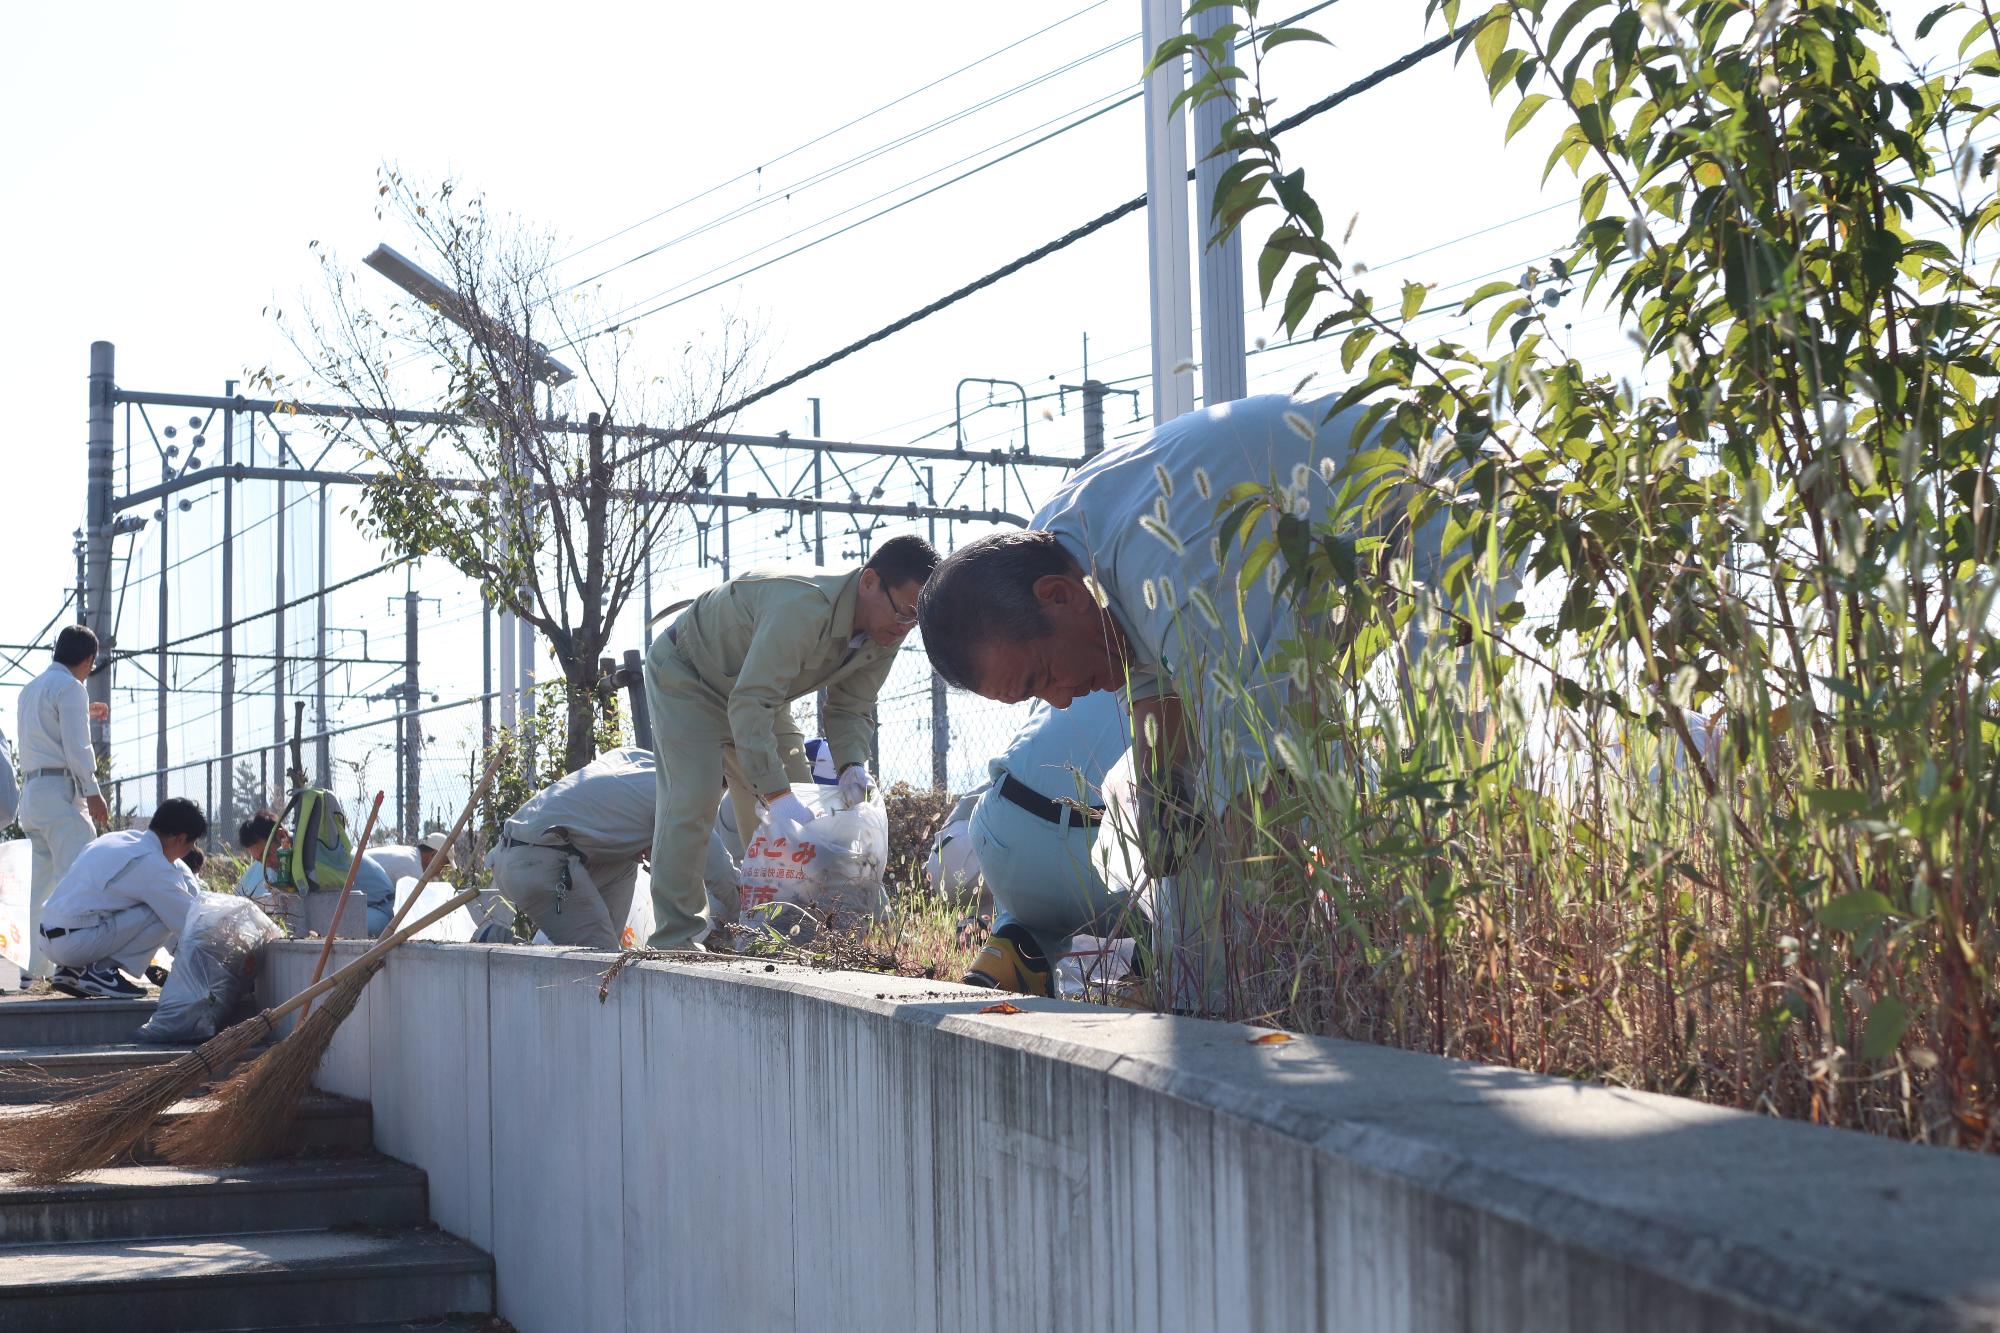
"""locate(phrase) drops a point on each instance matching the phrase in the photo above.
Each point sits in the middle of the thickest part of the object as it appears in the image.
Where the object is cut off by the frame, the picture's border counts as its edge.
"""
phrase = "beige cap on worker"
(437, 842)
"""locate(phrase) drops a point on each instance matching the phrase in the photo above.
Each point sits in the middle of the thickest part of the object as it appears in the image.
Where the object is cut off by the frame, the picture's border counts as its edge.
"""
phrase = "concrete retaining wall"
(731, 1146)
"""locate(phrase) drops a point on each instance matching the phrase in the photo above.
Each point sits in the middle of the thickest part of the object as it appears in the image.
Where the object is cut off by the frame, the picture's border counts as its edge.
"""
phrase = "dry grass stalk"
(97, 1129)
(247, 1116)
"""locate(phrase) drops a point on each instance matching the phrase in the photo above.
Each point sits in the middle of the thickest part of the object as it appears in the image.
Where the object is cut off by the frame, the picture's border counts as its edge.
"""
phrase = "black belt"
(1041, 807)
(32, 774)
(509, 840)
(54, 932)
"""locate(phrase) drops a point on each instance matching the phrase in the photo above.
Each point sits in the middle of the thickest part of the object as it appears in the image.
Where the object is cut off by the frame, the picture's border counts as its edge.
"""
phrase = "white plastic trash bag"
(638, 926)
(214, 968)
(796, 878)
(456, 927)
(953, 865)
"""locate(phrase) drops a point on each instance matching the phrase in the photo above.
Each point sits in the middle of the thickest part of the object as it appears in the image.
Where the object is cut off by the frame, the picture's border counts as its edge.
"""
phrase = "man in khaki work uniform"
(720, 681)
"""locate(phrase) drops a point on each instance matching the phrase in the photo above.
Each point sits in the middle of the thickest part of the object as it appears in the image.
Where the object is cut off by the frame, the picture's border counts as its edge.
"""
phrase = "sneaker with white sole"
(100, 980)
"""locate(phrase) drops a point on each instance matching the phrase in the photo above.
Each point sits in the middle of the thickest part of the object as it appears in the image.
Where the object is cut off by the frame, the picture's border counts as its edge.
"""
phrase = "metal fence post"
(940, 736)
(635, 687)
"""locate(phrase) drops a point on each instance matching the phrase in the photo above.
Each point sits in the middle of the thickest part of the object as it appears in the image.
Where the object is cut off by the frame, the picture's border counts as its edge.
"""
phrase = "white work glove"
(788, 811)
(854, 785)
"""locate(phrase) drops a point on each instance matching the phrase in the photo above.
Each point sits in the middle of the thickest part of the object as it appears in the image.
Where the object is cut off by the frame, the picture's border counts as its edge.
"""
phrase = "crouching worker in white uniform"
(126, 895)
(569, 858)
(1032, 832)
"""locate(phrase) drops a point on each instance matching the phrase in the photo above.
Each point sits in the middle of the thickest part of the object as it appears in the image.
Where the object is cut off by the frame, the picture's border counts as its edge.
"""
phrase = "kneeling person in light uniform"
(569, 858)
(126, 896)
(1032, 831)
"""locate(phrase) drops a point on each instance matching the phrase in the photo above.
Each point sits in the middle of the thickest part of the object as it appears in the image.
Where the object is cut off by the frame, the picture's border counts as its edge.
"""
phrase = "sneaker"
(68, 980)
(105, 981)
(1011, 962)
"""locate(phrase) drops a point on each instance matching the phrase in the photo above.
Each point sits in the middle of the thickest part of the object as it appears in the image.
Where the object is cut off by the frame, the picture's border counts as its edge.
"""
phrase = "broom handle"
(382, 946)
(394, 936)
(451, 839)
(353, 866)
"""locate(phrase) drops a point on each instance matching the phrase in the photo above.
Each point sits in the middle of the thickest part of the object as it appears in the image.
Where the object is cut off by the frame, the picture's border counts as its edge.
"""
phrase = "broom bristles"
(63, 1138)
(247, 1115)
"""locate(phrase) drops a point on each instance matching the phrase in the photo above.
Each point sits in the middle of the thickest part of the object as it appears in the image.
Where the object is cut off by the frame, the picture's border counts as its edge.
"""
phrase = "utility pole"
(1224, 377)
(160, 667)
(413, 727)
(278, 642)
(1167, 220)
(228, 701)
(819, 519)
(723, 521)
(322, 747)
(1094, 393)
(97, 533)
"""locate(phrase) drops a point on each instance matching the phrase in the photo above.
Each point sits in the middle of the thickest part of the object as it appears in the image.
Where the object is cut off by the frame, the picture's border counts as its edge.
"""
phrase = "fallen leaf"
(1001, 1008)
(1271, 1039)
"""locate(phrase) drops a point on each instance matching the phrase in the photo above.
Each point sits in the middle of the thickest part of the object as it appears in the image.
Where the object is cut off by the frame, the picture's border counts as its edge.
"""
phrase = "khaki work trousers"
(591, 915)
(696, 752)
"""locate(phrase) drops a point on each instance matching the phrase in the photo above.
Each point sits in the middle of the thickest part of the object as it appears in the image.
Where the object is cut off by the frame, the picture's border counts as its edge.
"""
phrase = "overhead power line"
(860, 159)
(1083, 114)
(1389, 71)
(838, 129)
(272, 610)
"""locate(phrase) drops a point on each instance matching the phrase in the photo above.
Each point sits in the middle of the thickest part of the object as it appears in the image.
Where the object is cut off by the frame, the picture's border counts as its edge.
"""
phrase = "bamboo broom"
(59, 1140)
(247, 1116)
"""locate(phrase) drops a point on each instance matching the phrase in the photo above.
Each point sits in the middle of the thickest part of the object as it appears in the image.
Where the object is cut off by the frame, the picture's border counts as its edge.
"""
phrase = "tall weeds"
(1710, 807)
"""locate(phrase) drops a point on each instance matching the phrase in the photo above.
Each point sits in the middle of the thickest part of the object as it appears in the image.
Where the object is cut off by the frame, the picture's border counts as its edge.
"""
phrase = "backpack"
(321, 849)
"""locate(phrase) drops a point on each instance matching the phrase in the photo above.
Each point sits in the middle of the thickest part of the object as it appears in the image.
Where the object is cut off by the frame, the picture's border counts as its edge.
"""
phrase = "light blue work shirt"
(1141, 518)
(253, 883)
(1064, 753)
(1039, 872)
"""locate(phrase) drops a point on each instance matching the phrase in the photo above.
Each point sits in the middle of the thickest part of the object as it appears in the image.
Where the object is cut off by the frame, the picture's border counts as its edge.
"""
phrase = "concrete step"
(128, 1202)
(21, 1065)
(443, 1323)
(63, 1020)
(327, 1126)
(286, 1279)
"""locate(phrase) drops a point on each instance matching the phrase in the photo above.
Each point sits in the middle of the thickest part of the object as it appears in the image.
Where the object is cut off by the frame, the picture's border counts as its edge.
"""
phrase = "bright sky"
(168, 165)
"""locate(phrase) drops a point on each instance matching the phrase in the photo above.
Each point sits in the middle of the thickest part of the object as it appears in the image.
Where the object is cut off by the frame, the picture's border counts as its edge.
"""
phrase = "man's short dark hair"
(193, 859)
(256, 829)
(900, 560)
(75, 645)
(985, 591)
(179, 817)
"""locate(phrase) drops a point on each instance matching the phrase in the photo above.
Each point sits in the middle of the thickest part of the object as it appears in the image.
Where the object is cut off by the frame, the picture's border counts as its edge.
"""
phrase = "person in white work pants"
(569, 858)
(61, 806)
(1032, 831)
(127, 895)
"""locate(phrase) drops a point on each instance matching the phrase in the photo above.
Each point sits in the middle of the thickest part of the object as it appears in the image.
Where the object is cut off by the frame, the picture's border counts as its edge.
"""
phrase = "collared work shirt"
(54, 716)
(604, 809)
(253, 883)
(1063, 753)
(117, 871)
(1141, 519)
(397, 862)
(766, 638)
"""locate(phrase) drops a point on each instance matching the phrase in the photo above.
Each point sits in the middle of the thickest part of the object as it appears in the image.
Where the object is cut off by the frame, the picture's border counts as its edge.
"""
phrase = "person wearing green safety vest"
(720, 681)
